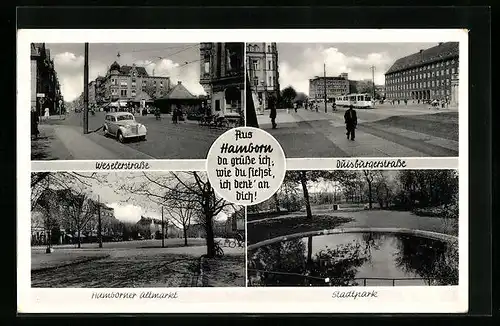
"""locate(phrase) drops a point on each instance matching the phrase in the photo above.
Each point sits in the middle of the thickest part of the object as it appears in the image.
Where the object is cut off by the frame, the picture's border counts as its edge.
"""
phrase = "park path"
(380, 219)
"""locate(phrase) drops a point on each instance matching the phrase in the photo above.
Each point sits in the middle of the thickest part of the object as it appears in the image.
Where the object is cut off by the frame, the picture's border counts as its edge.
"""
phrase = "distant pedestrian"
(174, 115)
(272, 114)
(47, 113)
(351, 121)
(406, 102)
(35, 119)
(399, 102)
(295, 105)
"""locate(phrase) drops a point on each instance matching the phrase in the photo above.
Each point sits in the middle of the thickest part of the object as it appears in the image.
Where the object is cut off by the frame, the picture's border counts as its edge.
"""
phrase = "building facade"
(125, 83)
(263, 73)
(335, 86)
(426, 75)
(45, 87)
(222, 77)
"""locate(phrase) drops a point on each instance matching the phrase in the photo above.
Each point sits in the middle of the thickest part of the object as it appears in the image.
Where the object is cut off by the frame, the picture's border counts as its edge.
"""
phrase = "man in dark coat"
(351, 121)
(272, 114)
(35, 118)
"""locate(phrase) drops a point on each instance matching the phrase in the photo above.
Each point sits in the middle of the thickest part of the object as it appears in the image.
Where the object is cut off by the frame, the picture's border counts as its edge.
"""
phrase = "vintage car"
(123, 126)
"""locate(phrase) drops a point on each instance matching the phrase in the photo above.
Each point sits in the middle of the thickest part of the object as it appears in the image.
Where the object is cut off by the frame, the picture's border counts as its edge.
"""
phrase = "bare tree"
(79, 209)
(185, 187)
(181, 211)
(369, 176)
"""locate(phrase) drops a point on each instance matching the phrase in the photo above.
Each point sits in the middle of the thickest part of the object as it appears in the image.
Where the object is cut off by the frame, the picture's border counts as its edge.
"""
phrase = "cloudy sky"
(111, 189)
(165, 59)
(298, 62)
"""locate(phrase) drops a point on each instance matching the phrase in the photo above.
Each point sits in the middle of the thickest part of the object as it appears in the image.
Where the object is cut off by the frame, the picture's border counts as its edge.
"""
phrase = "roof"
(437, 53)
(327, 77)
(141, 95)
(179, 92)
(141, 71)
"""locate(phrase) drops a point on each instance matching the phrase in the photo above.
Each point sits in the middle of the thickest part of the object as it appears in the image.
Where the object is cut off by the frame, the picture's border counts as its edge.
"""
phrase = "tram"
(356, 100)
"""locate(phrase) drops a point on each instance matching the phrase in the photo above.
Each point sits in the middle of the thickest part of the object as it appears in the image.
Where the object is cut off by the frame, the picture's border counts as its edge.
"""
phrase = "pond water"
(354, 259)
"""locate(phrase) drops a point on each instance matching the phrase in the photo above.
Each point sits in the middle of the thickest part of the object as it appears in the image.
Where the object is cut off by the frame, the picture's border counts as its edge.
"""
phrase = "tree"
(369, 176)
(288, 95)
(185, 187)
(181, 211)
(79, 209)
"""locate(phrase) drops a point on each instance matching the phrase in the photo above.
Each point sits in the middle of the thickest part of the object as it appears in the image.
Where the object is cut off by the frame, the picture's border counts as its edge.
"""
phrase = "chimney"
(440, 43)
(421, 55)
(179, 82)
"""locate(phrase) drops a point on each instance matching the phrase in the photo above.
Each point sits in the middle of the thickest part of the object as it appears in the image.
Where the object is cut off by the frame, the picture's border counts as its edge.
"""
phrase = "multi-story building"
(335, 86)
(126, 83)
(426, 75)
(263, 73)
(45, 87)
(222, 77)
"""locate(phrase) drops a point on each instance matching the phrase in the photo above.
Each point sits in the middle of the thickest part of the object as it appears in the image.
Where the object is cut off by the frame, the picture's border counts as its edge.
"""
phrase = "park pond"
(355, 259)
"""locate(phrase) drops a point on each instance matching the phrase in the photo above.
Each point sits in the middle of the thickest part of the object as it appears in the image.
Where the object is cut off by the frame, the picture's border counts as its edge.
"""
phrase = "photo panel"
(95, 101)
(366, 228)
(133, 230)
(330, 100)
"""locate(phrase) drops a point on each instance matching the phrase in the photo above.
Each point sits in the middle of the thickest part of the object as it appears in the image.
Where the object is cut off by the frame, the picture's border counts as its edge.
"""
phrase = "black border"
(476, 19)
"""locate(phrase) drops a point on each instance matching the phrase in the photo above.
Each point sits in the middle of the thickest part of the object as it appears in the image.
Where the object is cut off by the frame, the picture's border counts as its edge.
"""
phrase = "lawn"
(272, 228)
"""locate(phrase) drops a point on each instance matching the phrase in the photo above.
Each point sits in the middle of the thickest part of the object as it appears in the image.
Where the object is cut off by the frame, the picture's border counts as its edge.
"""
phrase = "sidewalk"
(68, 142)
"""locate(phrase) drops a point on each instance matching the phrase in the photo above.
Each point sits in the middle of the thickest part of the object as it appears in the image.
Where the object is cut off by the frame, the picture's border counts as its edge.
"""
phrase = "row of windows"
(256, 48)
(124, 82)
(423, 68)
(437, 73)
(256, 64)
(271, 81)
(409, 94)
(432, 83)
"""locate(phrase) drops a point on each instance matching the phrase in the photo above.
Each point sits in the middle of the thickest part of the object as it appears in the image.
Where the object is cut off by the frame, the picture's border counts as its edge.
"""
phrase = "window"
(207, 66)
(217, 105)
(113, 91)
(268, 48)
(123, 82)
(452, 70)
(125, 117)
(432, 83)
(255, 65)
(270, 81)
(269, 65)
(113, 81)
(161, 83)
(433, 74)
(133, 93)
(123, 92)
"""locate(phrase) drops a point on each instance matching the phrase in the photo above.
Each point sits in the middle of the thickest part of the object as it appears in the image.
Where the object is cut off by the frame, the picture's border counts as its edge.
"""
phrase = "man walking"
(272, 108)
(35, 118)
(351, 121)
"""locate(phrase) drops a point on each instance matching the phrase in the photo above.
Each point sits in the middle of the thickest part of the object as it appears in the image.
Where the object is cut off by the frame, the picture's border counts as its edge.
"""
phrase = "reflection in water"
(354, 259)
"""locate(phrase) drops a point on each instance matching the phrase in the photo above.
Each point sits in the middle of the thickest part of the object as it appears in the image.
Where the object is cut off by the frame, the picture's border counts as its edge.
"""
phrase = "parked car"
(123, 126)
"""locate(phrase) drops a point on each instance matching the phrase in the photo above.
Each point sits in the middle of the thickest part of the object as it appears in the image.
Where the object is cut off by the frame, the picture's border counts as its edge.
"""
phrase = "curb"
(422, 233)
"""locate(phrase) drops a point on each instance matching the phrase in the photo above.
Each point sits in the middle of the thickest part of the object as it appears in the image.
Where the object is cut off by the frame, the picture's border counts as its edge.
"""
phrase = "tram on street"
(360, 101)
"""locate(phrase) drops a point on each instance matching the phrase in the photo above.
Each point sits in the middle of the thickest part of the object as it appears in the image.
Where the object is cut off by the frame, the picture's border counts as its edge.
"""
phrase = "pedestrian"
(406, 102)
(35, 119)
(272, 114)
(47, 113)
(174, 115)
(295, 105)
(399, 102)
(351, 121)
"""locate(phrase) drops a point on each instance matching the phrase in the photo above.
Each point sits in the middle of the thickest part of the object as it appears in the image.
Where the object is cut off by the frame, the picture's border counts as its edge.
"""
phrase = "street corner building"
(430, 74)
(125, 85)
(263, 73)
(222, 77)
(45, 87)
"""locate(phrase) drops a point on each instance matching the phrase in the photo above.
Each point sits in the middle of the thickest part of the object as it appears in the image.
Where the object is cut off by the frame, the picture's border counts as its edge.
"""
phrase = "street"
(64, 140)
(406, 131)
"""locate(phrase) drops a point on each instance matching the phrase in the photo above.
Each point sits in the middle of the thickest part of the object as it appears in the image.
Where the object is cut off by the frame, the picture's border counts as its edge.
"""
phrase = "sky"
(298, 62)
(111, 189)
(166, 59)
